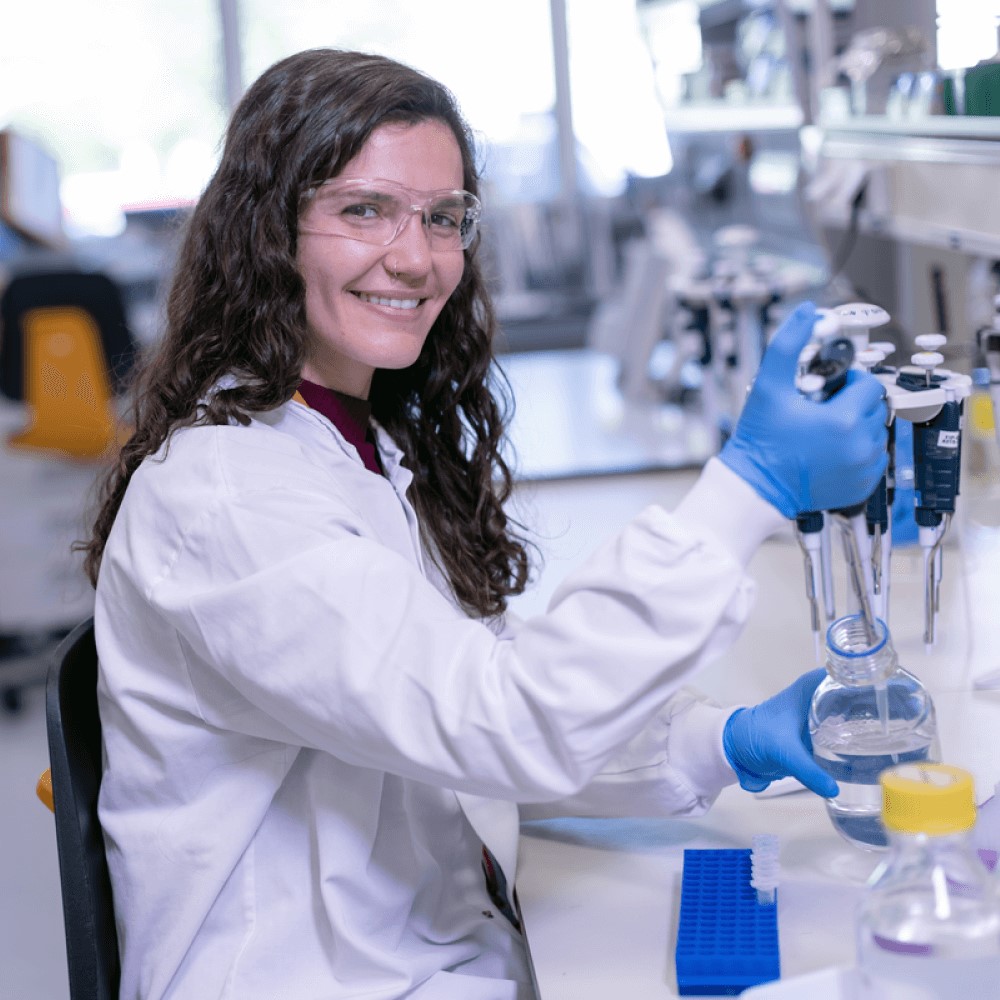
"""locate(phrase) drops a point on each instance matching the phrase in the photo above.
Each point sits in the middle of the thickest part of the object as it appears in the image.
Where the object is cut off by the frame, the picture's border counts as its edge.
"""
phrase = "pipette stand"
(930, 397)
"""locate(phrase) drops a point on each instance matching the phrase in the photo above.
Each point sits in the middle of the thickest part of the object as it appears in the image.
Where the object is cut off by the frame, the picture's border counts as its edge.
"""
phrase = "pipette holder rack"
(930, 398)
(726, 940)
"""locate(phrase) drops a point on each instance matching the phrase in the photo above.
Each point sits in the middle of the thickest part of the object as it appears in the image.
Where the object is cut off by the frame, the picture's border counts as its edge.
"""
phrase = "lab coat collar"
(389, 452)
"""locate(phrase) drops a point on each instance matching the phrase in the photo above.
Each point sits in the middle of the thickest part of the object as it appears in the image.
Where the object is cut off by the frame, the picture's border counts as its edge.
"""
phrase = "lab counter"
(600, 898)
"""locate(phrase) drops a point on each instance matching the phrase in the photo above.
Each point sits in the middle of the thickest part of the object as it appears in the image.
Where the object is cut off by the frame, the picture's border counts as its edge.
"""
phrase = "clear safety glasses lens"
(376, 211)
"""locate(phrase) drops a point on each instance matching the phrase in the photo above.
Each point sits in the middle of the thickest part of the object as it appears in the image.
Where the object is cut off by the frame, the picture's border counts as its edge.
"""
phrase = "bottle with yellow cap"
(929, 928)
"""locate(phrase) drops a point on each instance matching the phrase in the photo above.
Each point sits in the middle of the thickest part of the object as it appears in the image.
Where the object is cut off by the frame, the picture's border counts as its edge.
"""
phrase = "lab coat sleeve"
(675, 767)
(296, 624)
(708, 508)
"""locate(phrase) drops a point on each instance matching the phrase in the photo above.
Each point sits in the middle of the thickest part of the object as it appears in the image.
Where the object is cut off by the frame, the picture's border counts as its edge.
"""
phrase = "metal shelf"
(959, 132)
(943, 126)
(931, 179)
(724, 117)
(908, 148)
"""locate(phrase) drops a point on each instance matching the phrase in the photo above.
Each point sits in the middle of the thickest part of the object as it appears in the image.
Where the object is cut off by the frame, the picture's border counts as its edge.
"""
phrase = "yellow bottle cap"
(981, 416)
(936, 799)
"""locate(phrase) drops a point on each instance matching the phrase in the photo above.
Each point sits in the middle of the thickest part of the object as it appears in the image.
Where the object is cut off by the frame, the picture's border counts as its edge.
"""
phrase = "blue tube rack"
(726, 940)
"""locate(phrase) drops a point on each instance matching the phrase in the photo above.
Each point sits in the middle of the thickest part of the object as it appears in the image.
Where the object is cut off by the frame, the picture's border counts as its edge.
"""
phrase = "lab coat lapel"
(495, 821)
(387, 509)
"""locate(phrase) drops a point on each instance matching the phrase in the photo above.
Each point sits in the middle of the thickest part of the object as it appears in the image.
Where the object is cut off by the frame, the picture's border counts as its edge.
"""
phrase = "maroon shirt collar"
(350, 415)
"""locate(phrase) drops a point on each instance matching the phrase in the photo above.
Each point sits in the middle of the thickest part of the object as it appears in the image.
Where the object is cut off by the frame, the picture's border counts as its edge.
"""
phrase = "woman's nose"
(410, 247)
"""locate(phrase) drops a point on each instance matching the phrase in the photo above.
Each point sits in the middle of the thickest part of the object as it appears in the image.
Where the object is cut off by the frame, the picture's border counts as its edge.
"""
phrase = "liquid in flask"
(869, 714)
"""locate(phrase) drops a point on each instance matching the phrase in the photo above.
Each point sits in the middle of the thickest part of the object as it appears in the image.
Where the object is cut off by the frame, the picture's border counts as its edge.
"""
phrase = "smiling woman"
(329, 331)
(378, 275)
(320, 727)
(265, 296)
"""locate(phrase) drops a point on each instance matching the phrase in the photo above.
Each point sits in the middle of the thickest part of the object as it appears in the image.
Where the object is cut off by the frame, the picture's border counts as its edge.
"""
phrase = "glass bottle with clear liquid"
(929, 926)
(867, 714)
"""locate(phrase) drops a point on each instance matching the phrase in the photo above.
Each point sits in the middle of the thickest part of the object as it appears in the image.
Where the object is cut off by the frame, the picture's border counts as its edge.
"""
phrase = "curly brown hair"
(237, 307)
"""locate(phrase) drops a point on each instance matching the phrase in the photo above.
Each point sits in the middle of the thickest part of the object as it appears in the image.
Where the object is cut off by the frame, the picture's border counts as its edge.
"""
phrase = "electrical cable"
(850, 237)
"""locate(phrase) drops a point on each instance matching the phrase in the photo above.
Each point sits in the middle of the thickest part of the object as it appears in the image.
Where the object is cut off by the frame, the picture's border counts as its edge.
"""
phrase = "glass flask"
(929, 926)
(867, 714)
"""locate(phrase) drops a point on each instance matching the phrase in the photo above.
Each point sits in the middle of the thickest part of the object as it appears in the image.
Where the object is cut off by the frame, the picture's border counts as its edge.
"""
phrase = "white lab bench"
(599, 898)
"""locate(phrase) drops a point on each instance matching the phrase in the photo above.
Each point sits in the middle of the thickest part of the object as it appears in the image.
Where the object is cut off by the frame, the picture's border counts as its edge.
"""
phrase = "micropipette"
(809, 536)
(826, 362)
(877, 508)
(936, 468)
(826, 374)
(856, 320)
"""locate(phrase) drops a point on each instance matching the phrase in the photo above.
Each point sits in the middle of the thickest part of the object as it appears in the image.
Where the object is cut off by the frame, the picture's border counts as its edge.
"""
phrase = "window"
(128, 95)
(967, 32)
(496, 58)
(125, 93)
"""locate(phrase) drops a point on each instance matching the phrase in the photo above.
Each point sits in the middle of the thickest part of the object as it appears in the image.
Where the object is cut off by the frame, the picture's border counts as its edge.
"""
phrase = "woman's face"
(370, 306)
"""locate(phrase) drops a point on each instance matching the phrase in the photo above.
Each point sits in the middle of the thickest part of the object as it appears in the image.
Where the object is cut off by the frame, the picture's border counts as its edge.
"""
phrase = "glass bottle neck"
(930, 841)
(953, 853)
(851, 656)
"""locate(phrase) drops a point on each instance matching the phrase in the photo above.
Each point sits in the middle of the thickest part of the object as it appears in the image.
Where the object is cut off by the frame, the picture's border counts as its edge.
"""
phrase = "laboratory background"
(663, 181)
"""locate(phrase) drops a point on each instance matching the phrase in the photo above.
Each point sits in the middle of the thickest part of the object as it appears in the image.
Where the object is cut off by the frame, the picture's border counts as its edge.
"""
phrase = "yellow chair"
(65, 350)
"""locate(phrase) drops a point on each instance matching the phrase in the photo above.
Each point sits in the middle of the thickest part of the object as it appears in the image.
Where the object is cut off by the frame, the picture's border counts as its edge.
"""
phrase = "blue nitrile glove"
(771, 740)
(801, 455)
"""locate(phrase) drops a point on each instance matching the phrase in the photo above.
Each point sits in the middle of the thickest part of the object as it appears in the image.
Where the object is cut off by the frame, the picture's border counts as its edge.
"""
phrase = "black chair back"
(74, 734)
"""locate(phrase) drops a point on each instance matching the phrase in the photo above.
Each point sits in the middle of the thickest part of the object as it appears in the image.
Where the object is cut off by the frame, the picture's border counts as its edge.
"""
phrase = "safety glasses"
(375, 211)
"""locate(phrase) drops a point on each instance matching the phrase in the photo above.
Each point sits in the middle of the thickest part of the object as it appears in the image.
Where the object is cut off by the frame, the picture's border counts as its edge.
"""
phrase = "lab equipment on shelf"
(724, 315)
(930, 923)
(867, 715)
(727, 941)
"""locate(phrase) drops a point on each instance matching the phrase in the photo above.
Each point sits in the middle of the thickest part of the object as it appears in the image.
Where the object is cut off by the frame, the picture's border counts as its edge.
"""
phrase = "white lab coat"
(306, 741)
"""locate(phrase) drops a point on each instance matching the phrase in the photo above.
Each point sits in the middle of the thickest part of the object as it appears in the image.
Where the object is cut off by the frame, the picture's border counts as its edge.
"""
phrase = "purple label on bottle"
(902, 947)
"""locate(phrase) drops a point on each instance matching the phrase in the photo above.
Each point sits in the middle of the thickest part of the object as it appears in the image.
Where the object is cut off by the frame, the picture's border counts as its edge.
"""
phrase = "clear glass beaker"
(868, 714)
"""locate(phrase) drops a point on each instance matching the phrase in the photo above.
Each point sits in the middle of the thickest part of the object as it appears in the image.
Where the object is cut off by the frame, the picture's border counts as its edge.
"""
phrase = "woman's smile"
(385, 300)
